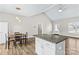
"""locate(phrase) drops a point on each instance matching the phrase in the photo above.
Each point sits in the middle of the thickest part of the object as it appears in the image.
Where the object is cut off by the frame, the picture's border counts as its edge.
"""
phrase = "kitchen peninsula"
(50, 44)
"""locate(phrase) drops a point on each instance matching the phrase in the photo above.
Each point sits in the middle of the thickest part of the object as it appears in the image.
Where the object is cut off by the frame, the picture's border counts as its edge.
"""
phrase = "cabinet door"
(71, 44)
(43, 47)
(77, 46)
(38, 45)
(60, 48)
(49, 48)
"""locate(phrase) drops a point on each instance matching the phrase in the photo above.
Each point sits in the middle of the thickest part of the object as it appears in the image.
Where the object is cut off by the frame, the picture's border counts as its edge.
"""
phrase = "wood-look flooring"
(28, 49)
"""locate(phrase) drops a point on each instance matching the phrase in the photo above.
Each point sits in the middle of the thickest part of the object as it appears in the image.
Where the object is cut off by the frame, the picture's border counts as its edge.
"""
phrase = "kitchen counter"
(55, 44)
(54, 38)
(72, 35)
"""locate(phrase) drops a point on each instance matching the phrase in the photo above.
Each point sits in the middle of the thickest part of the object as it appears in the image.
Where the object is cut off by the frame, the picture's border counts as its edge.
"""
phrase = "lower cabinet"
(72, 46)
(60, 48)
(77, 45)
(43, 47)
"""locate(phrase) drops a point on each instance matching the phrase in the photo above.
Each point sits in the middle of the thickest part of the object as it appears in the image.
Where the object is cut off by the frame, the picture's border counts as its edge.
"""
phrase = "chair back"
(26, 34)
(18, 35)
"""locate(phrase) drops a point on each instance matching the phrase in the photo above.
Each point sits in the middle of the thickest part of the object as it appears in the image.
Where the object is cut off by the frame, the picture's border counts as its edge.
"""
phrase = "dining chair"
(18, 39)
(26, 38)
(10, 39)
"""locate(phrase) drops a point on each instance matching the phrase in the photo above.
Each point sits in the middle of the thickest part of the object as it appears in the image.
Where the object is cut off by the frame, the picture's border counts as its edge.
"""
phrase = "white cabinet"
(60, 48)
(38, 46)
(48, 48)
(43, 47)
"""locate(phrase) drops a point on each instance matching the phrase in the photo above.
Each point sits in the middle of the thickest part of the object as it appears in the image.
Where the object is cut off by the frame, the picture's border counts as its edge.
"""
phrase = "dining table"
(21, 37)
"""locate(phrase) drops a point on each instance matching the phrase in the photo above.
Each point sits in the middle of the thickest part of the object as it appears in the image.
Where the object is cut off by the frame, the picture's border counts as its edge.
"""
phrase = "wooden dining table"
(22, 38)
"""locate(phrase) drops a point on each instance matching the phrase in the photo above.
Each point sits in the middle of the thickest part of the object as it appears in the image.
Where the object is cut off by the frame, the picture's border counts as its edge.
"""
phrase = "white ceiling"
(26, 9)
(69, 11)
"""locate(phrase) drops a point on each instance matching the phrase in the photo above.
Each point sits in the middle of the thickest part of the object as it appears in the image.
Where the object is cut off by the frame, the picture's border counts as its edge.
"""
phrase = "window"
(73, 27)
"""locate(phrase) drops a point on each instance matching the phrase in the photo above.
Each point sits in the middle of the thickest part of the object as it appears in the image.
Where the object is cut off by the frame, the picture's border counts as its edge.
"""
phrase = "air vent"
(17, 8)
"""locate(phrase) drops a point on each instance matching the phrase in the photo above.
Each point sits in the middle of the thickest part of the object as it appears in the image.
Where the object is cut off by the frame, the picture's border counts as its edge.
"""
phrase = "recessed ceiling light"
(60, 10)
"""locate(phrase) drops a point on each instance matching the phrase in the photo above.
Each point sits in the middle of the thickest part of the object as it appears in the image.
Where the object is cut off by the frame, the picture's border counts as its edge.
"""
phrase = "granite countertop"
(75, 36)
(54, 38)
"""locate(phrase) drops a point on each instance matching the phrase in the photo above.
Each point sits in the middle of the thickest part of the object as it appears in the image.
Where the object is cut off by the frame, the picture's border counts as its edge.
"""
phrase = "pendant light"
(18, 9)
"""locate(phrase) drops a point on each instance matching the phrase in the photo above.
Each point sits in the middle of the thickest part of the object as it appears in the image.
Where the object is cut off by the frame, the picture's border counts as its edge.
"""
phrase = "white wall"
(28, 24)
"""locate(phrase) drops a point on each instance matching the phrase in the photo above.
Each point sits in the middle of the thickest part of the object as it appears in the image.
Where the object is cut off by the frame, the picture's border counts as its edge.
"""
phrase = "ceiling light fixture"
(60, 9)
(18, 19)
(18, 9)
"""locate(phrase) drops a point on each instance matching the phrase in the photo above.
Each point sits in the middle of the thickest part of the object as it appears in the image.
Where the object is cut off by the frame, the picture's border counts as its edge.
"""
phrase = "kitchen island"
(50, 44)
